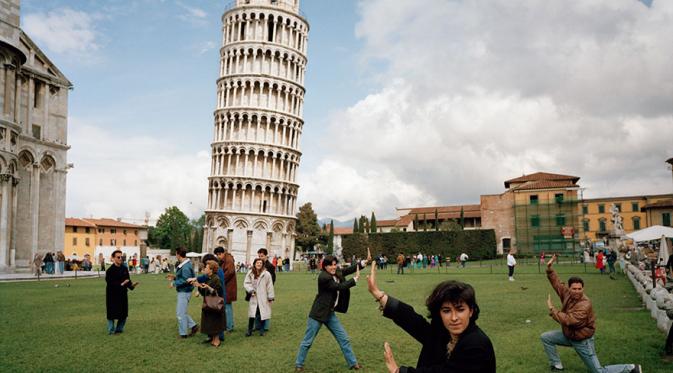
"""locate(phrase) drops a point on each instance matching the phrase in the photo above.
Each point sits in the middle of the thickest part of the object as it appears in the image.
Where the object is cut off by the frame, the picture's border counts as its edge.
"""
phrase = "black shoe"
(637, 369)
(183, 336)
(207, 340)
(261, 333)
(195, 329)
(248, 333)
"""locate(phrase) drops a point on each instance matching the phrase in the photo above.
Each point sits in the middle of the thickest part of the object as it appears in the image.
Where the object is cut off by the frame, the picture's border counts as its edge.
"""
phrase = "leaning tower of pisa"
(252, 188)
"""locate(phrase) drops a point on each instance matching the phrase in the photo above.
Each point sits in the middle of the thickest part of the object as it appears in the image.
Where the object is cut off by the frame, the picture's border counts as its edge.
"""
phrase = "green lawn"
(49, 328)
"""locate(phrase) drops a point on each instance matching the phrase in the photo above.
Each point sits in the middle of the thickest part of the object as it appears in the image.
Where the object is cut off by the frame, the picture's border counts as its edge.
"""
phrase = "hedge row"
(477, 244)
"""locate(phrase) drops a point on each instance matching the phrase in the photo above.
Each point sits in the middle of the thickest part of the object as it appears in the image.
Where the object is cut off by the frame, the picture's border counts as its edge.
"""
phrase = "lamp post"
(670, 165)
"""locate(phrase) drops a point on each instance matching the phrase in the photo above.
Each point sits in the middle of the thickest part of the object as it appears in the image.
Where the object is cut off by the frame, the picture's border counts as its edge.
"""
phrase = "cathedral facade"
(33, 146)
(252, 187)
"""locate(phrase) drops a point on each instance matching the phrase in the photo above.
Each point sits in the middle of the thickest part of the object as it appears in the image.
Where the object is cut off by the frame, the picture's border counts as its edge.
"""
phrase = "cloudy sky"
(408, 102)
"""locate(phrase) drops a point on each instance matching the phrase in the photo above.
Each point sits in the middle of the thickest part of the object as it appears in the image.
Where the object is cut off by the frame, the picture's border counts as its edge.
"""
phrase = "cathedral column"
(226, 195)
(35, 207)
(5, 180)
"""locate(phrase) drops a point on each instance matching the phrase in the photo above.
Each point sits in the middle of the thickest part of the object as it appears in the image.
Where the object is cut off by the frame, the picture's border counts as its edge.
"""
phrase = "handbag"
(248, 295)
(213, 303)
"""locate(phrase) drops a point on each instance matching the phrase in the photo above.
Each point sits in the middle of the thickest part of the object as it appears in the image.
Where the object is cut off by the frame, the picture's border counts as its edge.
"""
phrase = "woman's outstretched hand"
(390, 359)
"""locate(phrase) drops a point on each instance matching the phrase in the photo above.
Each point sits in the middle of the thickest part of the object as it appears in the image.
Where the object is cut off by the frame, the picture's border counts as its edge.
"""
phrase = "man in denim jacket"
(187, 327)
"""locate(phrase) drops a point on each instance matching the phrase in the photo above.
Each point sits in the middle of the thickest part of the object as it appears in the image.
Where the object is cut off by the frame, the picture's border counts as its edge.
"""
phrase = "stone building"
(33, 146)
(94, 236)
(258, 122)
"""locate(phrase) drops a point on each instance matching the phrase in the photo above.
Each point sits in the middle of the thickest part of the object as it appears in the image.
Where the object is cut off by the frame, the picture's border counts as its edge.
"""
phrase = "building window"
(636, 223)
(112, 241)
(601, 225)
(87, 242)
(101, 230)
(124, 242)
(585, 210)
(666, 219)
(37, 94)
(37, 131)
(601, 208)
(87, 230)
(635, 207)
(74, 241)
(558, 197)
(506, 243)
(135, 243)
(135, 232)
(74, 229)
(113, 230)
(124, 231)
(535, 221)
(533, 199)
(100, 242)
(585, 225)
(560, 220)
(618, 206)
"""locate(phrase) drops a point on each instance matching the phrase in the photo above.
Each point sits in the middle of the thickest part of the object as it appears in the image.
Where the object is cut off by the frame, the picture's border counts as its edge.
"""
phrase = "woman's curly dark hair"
(455, 292)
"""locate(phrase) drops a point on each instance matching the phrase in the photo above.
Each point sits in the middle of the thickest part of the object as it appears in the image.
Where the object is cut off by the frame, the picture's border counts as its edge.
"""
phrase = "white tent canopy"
(192, 254)
(663, 250)
(651, 233)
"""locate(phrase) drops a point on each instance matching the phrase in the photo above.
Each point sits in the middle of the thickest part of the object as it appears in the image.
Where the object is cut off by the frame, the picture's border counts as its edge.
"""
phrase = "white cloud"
(125, 175)
(63, 30)
(474, 93)
(192, 14)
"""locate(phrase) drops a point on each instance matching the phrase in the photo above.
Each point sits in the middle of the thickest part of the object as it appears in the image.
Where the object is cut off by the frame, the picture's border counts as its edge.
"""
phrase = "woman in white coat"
(259, 286)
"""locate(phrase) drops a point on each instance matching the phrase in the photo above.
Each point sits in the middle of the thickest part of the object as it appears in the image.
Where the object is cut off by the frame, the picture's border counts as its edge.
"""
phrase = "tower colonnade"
(258, 122)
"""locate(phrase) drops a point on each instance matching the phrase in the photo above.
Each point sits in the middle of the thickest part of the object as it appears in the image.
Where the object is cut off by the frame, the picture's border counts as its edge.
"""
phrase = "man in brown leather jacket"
(578, 324)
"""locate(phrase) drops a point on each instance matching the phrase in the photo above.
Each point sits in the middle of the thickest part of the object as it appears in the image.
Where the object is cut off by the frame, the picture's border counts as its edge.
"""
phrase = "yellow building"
(637, 212)
(80, 238)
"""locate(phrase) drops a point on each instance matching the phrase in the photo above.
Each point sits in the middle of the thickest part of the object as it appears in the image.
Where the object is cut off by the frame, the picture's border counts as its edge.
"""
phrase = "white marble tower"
(252, 188)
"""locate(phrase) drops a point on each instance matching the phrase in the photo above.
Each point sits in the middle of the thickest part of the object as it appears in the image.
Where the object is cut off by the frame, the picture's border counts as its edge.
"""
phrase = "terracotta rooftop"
(441, 209)
(105, 222)
(386, 223)
(338, 231)
(540, 176)
(659, 204)
(545, 184)
(75, 222)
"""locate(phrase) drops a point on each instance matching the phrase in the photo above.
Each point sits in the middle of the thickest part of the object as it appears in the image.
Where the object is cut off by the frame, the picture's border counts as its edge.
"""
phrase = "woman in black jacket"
(452, 341)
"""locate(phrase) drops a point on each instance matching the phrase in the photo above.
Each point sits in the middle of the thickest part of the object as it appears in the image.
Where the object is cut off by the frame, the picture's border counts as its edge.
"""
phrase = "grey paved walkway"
(25, 276)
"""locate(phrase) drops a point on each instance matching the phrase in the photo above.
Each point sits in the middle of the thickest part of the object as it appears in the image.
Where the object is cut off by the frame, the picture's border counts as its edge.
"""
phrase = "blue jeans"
(229, 312)
(111, 326)
(61, 267)
(584, 348)
(185, 322)
(334, 326)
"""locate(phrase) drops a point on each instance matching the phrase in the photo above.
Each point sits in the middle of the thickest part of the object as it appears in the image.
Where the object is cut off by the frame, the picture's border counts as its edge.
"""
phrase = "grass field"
(49, 328)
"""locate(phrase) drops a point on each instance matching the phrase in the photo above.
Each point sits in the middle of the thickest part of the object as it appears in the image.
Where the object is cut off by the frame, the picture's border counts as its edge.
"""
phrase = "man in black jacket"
(333, 296)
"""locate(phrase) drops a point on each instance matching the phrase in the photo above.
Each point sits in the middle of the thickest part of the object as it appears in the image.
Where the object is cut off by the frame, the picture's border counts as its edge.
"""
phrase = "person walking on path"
(463, 259)
(511, 263)
(264, 255)
(259, 285)
(60, 262)
(187, 327)
(37, 264)
(600, 265)
(577, 321)
(333, 296)
(118, 281)
(229, 268)
(49, 263)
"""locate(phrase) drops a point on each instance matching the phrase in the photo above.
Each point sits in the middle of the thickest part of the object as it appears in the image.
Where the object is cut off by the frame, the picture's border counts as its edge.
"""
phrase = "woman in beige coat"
(259, 285)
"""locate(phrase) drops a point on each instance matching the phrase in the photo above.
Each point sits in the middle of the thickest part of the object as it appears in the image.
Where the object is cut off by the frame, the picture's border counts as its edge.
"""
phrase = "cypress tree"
(355, 226)
(416, 226)
(436, 221)
(372, 223)
(425, 222)
(462, 218)
(330, 241)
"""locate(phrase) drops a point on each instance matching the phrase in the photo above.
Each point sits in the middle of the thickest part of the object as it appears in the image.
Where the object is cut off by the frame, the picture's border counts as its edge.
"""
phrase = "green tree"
(356, 229)
(450, 226)
(436, 221)
(462, 218)
(173, 230)
(330, 240)
(372, 223)
(308, 229)
(196, 237)
(363, 224)
(416, 226)
(425, 222)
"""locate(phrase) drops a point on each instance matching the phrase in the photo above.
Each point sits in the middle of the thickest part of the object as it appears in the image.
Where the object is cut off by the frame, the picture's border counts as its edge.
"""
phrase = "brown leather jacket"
(229, 277)
(576, 317)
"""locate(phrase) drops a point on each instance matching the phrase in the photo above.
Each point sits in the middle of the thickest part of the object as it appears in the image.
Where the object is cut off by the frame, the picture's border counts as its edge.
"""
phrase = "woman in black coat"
(212, 323)
(452, 341)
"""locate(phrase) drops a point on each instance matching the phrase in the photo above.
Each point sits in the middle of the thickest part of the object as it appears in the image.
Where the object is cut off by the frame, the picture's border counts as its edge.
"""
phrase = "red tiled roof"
(545, 184)
(339, 231)
(404, 221)
(386, 223)
(75, 222)
(540, 176)
(441, 209)
(105, 222)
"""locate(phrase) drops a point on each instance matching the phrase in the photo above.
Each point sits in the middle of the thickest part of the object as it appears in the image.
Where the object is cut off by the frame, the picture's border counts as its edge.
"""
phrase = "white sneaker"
(511, 278)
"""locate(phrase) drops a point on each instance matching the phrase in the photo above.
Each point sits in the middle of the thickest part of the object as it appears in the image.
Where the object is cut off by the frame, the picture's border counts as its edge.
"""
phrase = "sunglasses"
(118, 257)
